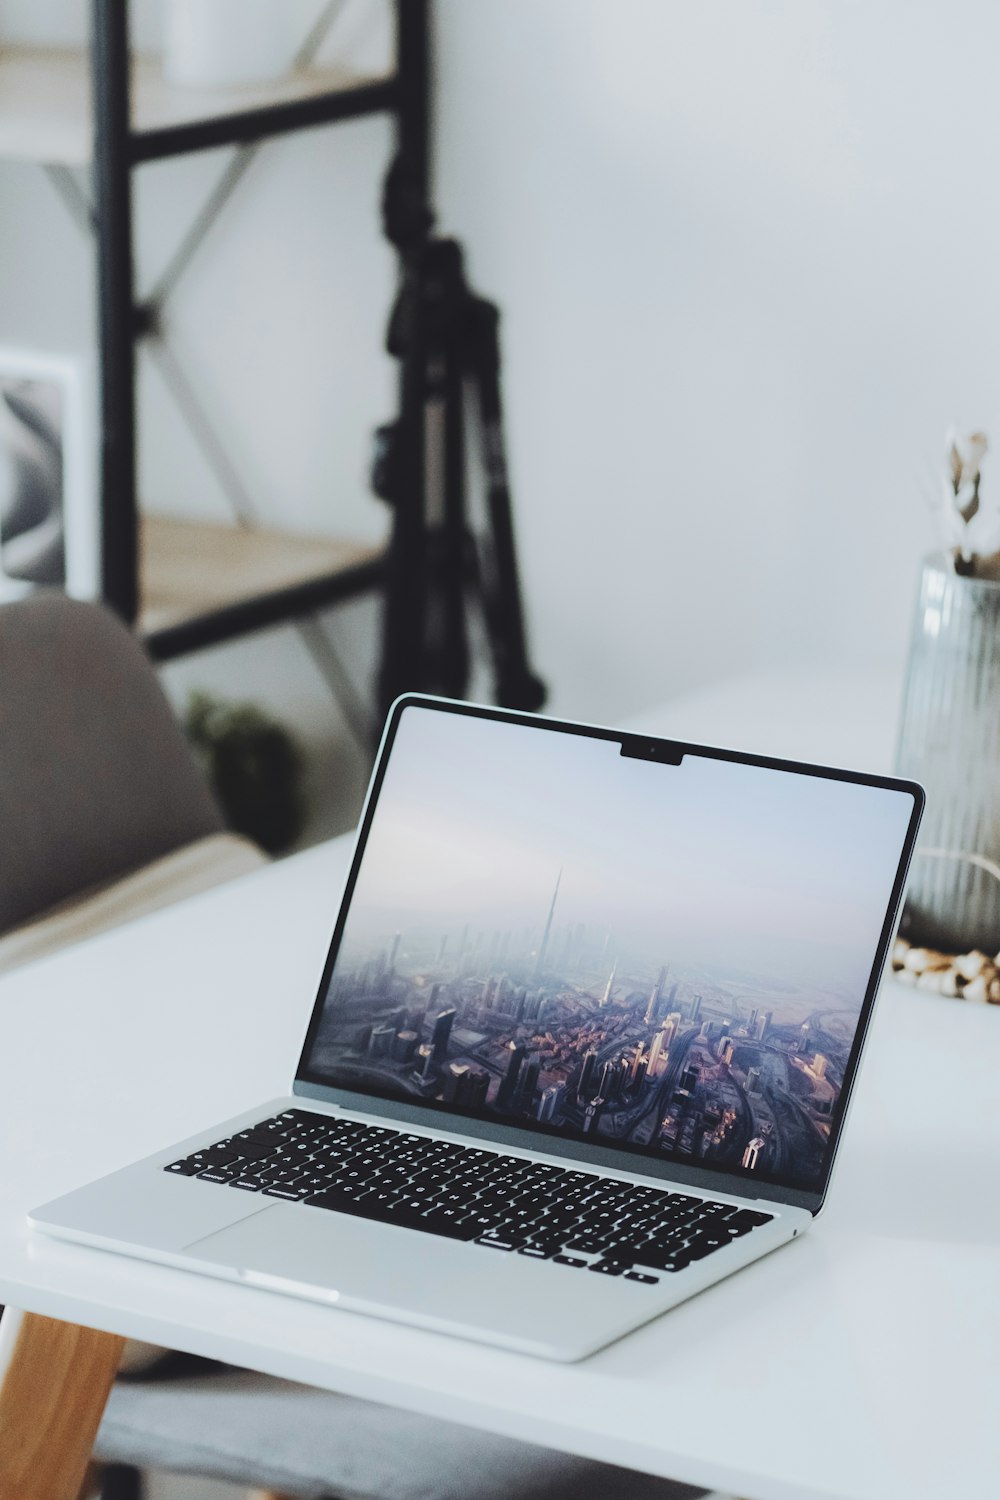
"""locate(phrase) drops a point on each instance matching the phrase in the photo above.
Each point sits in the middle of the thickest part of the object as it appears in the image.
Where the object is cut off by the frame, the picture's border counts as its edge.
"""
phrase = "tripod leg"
(454, 645)
(426, 630)
(405, 589)
(517, 686)
(444, 661)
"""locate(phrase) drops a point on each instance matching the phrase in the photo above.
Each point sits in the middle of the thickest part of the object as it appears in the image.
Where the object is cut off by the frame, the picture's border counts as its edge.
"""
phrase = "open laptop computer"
(583, 1044)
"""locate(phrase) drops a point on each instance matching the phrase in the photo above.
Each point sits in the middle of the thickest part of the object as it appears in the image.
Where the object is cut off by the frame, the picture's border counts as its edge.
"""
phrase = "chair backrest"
(96, 778)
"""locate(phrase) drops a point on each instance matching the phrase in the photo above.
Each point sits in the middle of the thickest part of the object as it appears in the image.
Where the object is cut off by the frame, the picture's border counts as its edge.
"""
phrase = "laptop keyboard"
(503, 1203)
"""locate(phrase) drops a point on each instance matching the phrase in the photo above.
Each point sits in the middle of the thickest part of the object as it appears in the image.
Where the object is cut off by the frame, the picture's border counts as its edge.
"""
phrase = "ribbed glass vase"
(950, 741)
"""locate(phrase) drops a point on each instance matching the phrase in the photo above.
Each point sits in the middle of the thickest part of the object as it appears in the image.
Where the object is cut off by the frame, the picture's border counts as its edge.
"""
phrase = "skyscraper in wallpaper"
(669, 958)
(543, 946)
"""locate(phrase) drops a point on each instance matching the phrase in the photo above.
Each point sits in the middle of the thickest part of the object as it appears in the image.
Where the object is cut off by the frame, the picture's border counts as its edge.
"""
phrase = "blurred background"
(744, 259)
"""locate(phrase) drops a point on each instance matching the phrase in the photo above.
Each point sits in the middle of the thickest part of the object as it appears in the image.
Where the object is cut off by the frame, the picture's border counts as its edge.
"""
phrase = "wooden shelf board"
(45, 114)
(189, 568)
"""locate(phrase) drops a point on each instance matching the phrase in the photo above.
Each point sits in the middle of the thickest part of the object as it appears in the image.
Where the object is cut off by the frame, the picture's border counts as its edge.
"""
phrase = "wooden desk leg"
(54, 1382)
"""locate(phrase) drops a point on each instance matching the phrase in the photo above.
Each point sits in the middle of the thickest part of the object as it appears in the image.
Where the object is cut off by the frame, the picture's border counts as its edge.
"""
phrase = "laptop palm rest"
(121, 1209)
(414, 1278)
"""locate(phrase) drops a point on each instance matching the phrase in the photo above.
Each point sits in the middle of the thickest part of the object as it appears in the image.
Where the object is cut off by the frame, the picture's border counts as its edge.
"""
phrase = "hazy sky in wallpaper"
(743, 867)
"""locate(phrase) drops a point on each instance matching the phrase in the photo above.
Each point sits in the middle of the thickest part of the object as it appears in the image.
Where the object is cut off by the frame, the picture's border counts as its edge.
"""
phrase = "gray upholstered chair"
(104, 812)
(105, 816)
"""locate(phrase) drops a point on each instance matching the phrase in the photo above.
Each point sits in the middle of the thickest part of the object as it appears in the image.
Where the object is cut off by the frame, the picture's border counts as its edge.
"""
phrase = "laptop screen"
(670, 956)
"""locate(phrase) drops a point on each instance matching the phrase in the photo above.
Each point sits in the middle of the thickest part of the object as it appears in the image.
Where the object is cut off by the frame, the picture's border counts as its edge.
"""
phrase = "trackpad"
(235, 1245)
(422, 1279)
(355, 1259)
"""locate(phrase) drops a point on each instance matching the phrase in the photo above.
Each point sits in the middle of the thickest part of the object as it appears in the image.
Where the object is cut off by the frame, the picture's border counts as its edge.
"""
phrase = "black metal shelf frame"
(247, 126)
(118, 150)
(216, 626)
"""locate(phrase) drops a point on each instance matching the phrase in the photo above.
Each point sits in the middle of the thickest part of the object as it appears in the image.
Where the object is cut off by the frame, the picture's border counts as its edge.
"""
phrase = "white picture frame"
(50, 533)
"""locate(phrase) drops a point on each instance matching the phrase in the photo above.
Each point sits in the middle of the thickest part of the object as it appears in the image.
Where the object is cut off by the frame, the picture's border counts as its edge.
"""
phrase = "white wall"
(746, 254)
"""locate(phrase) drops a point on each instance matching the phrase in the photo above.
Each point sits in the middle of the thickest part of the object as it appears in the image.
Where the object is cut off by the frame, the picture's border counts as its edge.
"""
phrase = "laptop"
(583, 1045)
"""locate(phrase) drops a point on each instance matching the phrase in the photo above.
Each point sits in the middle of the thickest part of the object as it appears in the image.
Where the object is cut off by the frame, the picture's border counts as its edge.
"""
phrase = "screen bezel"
(533, 1136)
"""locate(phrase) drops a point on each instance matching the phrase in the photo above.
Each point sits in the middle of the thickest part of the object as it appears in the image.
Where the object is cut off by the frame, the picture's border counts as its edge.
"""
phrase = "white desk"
(861, 1361)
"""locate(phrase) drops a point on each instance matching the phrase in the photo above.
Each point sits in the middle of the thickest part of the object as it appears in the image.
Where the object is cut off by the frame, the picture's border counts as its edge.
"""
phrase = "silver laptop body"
(583, 1044)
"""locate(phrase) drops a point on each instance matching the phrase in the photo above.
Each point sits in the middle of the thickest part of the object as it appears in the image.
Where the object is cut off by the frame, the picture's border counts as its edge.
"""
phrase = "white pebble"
(919, 959)
(976, 989)
(970, 965)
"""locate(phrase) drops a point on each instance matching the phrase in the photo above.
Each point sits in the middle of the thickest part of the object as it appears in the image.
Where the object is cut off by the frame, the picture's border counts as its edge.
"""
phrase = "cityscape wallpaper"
(668, 957)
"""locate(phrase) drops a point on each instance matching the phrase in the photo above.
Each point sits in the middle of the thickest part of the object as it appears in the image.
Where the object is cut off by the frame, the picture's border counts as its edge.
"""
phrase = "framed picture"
(49, 523)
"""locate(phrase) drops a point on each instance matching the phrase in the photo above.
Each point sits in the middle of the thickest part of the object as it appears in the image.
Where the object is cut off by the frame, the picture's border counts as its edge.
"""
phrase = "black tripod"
(446, 340)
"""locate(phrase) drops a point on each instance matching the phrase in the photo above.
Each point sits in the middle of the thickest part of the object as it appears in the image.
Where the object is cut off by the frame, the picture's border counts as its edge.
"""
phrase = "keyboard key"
(748, 1218)
(567, 1260)
(609, 1267)
(317, 1180)
(344, 1203)
(415, 1205)
(250, 1148)
(362, 1187)
(523, 1213)
(663, 1258)
(456, 1211)
(640, 1276)
(214, 1156)
(449, 1229)
(484, 1222)
(584, 1244)
(627, 1249)
(548, 1242)
(220, 1174)
(502, 1235)
(392, 1213)
(559, 1212)
(704, 1244)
